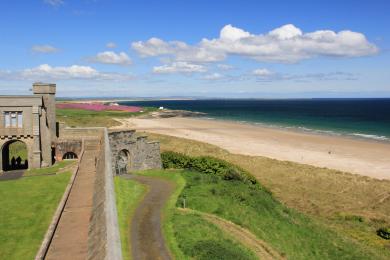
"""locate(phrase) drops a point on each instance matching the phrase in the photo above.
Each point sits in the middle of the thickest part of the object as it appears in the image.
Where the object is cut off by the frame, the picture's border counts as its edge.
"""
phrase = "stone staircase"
(70, 239)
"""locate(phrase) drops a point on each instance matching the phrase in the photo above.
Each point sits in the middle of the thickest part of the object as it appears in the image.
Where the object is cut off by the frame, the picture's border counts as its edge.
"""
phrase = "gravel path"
(147, 241)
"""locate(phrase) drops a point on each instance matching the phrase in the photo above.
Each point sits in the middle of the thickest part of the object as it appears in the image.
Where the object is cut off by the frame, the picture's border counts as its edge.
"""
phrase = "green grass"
(58, 166)
(200, 239)
(128, 194)
(323, 194)
(87, 118)
(27, 206)
(291, 233)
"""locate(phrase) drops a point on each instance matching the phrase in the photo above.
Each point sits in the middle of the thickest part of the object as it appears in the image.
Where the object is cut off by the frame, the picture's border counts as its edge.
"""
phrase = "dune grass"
(128, 194)
(200, 239)
(27, 206)
(88, 118)
(289, 232)
(350, 204)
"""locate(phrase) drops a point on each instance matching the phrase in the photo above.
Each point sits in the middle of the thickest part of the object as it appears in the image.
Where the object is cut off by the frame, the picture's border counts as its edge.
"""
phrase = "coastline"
(352, 154)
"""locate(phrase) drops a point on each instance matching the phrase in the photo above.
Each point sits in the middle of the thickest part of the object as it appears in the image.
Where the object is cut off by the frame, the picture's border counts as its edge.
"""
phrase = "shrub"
(384, 232)
(207, 165)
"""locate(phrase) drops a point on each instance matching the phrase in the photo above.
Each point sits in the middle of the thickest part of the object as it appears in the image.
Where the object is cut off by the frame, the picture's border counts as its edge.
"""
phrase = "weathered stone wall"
(65, 146)
(142, 154)
(103, 236)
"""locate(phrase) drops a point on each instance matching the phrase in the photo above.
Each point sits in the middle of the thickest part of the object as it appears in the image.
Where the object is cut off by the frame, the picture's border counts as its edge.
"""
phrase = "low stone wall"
(65, 146)
(103, 238)
(142, 154)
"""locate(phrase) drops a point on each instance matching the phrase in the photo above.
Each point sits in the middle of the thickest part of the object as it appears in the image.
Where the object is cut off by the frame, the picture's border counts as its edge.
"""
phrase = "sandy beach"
(364, 157)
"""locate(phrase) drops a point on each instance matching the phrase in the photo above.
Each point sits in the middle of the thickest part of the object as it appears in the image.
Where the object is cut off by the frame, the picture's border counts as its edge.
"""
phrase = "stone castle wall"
(142, 154)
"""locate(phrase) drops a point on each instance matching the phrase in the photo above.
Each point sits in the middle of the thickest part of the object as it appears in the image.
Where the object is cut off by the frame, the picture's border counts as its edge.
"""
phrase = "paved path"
(147, 241)
(70, 239)
(12, 175)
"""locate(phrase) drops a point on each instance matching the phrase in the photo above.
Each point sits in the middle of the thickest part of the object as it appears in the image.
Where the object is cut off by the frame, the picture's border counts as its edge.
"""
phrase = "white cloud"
(180, 50)
(262, 72)
(265, 75)
(46, 71)
(110, 57)
(213, 76)
(111, 45)
(225, 66)
(180, 67)
(54, 2)
(285, 44)
(44, 49)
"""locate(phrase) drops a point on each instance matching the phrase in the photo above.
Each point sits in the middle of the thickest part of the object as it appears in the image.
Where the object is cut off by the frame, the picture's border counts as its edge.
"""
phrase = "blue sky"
(262, 49)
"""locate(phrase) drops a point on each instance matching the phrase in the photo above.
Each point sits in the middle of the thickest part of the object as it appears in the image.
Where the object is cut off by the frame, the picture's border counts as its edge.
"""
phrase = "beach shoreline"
(357, 155)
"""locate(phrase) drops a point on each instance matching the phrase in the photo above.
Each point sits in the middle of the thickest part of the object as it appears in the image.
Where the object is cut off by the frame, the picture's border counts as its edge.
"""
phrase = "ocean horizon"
(356, 117)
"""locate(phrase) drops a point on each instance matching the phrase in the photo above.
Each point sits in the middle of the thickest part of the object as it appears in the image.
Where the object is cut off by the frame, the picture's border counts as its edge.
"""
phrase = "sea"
(360, 118)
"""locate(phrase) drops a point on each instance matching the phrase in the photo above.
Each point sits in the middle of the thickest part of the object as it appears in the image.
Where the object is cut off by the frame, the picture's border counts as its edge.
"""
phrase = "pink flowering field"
(98, 107)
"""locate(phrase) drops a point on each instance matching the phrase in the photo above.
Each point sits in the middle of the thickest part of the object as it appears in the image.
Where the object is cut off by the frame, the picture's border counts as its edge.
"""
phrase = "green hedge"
(207, 165)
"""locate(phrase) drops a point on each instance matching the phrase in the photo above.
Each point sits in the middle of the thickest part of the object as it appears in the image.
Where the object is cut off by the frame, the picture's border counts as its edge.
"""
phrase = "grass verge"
(128, 194)
(27, 206)
(56, 168)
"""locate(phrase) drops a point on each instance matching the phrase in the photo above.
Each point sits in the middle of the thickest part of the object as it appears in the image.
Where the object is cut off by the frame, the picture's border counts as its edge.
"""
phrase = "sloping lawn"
(26, 209)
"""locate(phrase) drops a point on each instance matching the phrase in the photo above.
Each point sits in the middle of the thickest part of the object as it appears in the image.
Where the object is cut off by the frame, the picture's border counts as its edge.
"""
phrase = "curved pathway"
(147, 241)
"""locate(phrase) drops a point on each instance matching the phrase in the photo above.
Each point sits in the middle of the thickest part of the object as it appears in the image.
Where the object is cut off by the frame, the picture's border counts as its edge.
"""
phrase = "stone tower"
(48, 126)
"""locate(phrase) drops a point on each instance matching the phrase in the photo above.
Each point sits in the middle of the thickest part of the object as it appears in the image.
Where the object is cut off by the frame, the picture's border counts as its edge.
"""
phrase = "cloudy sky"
(236, 49)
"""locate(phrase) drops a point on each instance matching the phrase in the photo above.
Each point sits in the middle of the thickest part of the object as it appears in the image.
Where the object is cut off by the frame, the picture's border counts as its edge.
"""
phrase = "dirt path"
(242, 235)
(147, 241)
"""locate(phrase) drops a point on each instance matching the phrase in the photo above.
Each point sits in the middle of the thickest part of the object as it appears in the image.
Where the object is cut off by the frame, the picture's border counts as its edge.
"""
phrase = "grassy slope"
(200, 239)
(189, 236)
(128, 194)
(289, 232)
(86, 118)
(27, 206)
(340, 200)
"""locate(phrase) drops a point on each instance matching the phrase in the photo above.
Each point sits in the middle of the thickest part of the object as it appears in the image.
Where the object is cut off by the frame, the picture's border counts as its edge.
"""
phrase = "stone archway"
(14, 155)
(122, 162)
(69, 156)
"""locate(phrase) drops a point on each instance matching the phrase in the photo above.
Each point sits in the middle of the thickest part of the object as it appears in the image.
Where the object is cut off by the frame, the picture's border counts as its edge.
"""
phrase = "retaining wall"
(103, 238)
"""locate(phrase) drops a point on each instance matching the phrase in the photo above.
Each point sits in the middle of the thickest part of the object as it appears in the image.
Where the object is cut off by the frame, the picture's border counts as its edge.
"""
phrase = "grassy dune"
(292, 234)
(27, 206)
(352, 205)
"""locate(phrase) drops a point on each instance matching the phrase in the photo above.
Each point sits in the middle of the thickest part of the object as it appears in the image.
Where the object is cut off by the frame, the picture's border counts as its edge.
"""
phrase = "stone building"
(32, 121)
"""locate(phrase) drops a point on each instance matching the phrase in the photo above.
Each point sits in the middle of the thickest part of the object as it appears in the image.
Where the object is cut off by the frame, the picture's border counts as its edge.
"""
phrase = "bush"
(207, 165)
(384, 232)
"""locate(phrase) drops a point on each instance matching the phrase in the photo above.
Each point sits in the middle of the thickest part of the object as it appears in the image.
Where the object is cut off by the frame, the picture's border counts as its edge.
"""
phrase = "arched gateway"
(31, 120)
(14, 155)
